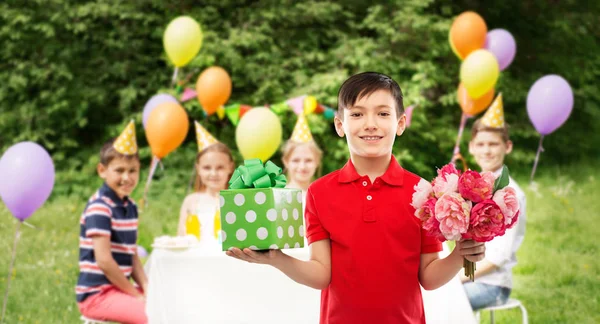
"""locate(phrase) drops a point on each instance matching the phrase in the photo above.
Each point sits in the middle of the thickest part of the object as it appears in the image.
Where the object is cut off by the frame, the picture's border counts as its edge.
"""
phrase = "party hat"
(301, 131)
(494, 116)
(203, 137)
(126, 143)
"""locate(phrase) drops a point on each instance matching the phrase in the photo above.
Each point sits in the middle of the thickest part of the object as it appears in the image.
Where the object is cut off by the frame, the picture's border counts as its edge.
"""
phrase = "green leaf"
(502, 180)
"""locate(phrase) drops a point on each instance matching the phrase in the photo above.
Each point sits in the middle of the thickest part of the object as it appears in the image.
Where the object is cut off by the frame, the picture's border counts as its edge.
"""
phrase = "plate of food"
(175, 242)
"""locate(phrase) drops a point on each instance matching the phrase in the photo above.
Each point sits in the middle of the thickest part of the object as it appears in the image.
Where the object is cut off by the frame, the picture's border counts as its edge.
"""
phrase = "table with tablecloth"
(192, 286)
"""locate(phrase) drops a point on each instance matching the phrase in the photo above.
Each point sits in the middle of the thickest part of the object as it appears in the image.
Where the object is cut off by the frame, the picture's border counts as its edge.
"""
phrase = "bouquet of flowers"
(469, 205)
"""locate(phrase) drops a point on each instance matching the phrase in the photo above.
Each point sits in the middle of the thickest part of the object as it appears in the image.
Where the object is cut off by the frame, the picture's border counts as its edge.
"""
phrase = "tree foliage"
(74, 73)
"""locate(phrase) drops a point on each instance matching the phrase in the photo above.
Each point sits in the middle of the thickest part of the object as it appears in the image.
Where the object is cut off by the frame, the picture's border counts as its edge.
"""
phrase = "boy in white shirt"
(489, 145)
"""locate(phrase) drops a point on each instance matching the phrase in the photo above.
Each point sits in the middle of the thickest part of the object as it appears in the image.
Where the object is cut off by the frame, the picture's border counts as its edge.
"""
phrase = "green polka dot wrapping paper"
(261, 219)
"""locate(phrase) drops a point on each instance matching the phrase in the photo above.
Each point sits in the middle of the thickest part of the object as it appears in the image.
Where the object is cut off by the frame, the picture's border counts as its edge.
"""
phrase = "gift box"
(257, 212)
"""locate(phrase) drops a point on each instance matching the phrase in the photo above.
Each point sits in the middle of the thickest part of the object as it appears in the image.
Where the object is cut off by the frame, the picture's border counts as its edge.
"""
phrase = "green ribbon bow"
(254, 175)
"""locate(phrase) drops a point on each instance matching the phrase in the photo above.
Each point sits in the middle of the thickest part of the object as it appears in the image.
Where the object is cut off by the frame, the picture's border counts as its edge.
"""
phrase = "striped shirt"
(105, 215)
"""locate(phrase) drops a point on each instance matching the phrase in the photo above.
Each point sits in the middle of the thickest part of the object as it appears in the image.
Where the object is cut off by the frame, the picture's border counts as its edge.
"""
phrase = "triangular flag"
(126, 143)
(221, 112)
(244, 109)
(233, 113)
(494, 116)
(203, 137)
(188, 94)
(279, 108)
(408, 111)
(297, 104)
(301, 132)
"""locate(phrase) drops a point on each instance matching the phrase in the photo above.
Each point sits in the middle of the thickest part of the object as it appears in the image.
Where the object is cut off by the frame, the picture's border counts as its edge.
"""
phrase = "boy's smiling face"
(489, 150)
(121, 175)
(371, 125)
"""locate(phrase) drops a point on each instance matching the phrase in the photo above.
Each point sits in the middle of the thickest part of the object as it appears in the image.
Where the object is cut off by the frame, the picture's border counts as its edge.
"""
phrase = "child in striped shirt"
(107, 244)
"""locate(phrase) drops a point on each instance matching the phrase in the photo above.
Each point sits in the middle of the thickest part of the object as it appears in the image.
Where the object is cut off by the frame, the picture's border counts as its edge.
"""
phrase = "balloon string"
(174, 79)
(461, 128)
(153, 165)
(537, 158)
(10, 269)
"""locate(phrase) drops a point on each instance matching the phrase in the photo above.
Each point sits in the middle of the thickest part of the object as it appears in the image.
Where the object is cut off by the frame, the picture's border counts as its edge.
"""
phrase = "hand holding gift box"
(257, 212)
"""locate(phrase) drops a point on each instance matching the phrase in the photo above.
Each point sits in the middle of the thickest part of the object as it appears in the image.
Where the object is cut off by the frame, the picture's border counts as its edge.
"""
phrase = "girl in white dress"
(214, 167)
(301, 158)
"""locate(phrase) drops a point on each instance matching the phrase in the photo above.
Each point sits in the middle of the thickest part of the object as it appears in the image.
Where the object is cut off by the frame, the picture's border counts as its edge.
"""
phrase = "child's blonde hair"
(478, 126)
(290, 146)
(216, 147)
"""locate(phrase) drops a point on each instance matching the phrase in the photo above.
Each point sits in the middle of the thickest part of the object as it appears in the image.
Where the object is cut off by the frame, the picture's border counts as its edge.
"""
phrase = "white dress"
(448, 304)
(207, 211)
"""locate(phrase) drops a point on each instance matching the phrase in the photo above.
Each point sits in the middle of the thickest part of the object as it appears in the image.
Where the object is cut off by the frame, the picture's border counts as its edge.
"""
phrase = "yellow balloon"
(310, 104)
(182, 40)
(258, 134)
(479, 73)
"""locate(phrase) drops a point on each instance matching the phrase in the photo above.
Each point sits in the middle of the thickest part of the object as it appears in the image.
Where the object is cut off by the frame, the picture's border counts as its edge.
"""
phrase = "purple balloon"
(26, 178)
(142, 253)
(153, 103)
(502, 44)
(549, 103)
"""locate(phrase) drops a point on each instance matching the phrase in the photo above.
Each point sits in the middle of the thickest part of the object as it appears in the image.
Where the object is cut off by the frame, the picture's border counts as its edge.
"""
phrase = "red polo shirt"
(376, 245)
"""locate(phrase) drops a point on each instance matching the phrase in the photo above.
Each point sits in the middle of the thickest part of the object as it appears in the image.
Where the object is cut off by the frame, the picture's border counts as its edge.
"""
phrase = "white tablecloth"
(188, 286)
(448, 304)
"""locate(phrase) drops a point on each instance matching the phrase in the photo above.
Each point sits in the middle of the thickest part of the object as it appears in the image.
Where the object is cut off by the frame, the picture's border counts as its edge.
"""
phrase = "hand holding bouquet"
(470, 205)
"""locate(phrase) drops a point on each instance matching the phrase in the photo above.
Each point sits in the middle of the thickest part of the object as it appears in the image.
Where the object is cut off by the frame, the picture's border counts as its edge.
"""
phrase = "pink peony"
(448, 169)
(423, 191)
(427, 210)
(452, 211)
(506, 199)
(487, 222)
(446, 181)
(476, 187)
(432, 228)
(445, 184)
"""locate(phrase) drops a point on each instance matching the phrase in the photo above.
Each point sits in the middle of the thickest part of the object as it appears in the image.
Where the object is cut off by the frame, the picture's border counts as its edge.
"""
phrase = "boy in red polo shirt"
(368, 251)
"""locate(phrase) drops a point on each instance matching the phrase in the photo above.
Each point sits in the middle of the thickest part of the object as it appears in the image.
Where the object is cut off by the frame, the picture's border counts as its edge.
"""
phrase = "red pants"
(115, 306)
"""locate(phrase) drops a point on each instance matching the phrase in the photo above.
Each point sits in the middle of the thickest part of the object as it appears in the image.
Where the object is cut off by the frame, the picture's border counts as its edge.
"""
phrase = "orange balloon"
(166, 128)
(467, 33)
(471, 106)
(213, 88)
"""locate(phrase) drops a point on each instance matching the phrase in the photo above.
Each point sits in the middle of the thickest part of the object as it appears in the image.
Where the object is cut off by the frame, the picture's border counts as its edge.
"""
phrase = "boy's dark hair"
(478, 126)
(109, 153)
(364, 84)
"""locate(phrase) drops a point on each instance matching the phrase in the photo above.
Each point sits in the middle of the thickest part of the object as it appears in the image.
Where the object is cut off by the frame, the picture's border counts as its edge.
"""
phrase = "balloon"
(470, 106)
(182, 40)
(258, 134)
(153, 103)
(549, 103)
(479, 73)
(214, 88)
(167, 128)
(454, 50)
(502, 44)
(141, 252)
(27, 178)
(310, 104)
(467, 33)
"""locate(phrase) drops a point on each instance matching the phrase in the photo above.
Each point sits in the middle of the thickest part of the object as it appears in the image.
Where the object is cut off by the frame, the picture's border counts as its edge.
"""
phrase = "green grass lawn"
(557, 278)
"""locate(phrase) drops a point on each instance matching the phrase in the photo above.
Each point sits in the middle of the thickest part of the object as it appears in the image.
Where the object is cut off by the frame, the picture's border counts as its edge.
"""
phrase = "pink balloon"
(502, 44)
